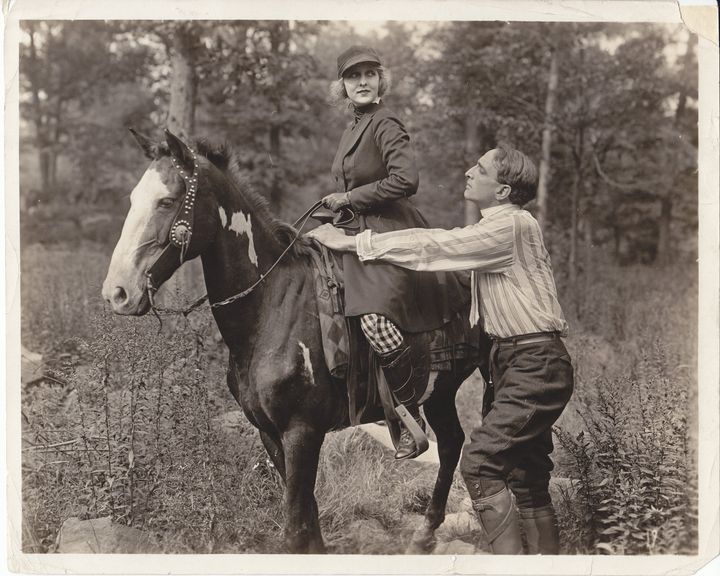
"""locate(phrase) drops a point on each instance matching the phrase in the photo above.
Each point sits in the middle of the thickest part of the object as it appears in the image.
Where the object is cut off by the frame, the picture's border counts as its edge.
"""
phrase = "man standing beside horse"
(506, 466)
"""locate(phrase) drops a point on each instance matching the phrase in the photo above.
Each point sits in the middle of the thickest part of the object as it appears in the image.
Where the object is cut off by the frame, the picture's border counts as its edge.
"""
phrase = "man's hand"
(336, 200)
(333, 238)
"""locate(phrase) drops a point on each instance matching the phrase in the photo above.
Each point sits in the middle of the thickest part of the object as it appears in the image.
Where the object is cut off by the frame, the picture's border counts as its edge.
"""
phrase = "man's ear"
(503, 192)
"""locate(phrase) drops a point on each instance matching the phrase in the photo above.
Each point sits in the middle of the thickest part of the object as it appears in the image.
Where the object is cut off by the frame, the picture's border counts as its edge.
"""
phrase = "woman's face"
(362, 83)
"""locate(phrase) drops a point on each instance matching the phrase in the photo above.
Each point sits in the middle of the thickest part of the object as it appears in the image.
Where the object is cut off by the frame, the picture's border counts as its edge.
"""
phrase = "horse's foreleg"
(442, 416)
(302, 526)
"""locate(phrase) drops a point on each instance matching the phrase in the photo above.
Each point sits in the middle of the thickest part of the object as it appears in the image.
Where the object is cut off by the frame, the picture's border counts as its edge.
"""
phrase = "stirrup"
(417, 433)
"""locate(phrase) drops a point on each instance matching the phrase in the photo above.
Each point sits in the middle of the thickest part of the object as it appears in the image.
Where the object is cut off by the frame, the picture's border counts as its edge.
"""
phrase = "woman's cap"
(356, 55)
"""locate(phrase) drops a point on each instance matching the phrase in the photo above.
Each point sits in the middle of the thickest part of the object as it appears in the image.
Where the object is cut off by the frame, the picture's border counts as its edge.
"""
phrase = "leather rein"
(179, 238)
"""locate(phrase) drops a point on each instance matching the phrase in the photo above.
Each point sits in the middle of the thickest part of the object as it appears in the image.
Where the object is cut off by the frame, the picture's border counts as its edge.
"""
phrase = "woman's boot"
(398, 371)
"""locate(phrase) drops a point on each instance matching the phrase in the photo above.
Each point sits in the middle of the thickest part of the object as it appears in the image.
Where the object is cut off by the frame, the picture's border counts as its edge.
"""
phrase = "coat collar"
(353, 132)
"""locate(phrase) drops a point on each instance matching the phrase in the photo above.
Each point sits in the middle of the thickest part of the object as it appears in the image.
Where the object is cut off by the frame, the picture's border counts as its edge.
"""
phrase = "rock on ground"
(367, 536)
(102, 536)
(455, 547)
(31, 367)
(459, 525)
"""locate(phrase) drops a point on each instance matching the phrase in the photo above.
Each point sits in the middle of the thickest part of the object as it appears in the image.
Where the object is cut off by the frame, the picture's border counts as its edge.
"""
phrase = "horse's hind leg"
(302, 525)
(441, 414)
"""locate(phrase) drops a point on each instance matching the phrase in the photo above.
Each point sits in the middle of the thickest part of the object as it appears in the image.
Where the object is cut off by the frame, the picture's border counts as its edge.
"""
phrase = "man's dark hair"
(517, 171)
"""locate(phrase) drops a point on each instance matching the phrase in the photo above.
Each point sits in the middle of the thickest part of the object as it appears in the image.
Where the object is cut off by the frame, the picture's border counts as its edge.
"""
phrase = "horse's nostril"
(119, 296)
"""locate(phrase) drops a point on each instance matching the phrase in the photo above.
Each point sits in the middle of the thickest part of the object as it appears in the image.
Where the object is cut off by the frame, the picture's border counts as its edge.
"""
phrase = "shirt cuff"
(363, 246)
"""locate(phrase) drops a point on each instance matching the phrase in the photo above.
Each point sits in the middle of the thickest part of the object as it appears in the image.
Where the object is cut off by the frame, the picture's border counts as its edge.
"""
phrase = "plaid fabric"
(381, 333)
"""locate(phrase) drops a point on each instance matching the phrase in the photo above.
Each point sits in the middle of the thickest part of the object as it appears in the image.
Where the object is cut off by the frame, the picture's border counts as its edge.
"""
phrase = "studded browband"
(182, 228)
(181, 231)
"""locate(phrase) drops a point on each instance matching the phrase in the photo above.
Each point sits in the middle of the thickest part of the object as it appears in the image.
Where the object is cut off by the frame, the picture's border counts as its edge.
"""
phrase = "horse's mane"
(224, 158)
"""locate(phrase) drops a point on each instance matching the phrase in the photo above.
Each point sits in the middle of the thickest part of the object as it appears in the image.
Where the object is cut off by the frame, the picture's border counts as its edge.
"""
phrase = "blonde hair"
(337, 95)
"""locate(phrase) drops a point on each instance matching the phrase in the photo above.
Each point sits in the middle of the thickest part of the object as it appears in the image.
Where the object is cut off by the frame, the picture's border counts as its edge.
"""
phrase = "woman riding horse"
(261, 291)
(375, 174)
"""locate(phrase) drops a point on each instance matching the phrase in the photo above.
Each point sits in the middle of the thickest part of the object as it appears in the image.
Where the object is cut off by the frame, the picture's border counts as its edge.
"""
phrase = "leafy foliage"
(139, 425)
(132, 426)
(629, 436)
(636, 491)
(622, 163)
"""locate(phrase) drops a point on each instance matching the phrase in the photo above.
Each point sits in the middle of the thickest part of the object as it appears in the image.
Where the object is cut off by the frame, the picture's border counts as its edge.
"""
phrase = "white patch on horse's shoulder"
(307, 361)
(241, 224)
(223, 216)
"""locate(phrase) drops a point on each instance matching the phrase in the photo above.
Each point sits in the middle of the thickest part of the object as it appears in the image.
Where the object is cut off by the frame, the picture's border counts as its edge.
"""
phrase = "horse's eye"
(166, 202)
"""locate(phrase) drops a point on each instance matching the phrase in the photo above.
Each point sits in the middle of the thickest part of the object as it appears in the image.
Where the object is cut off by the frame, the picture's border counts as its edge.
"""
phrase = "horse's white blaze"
(223, 216)
(135, 229)
(307, 361)
(241, 224)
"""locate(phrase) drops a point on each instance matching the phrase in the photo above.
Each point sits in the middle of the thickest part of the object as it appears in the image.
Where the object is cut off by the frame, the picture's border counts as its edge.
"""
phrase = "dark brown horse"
(188, 205)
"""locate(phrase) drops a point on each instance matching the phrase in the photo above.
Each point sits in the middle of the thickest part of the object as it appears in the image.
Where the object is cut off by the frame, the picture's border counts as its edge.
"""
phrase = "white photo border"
(699, 16)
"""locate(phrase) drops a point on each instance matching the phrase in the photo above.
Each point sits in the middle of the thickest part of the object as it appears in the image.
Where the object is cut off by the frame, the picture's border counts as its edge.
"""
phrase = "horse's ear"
(180, 151)
(149, 147)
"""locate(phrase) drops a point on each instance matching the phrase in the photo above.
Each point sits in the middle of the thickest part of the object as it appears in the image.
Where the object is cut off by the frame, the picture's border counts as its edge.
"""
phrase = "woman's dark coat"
(375, 163)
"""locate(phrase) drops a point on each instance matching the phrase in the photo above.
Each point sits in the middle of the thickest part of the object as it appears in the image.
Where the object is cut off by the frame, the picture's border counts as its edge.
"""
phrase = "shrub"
(127, 426)
(636, 485)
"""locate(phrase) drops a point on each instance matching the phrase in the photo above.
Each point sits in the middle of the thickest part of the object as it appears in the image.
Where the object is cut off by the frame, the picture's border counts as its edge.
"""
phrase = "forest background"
(609, 112)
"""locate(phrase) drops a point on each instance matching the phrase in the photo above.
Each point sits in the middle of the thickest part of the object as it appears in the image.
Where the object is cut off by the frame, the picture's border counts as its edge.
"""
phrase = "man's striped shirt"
(512, 274)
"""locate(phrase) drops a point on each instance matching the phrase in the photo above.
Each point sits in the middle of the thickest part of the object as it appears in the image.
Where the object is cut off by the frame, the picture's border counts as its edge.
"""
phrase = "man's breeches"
(532, 383)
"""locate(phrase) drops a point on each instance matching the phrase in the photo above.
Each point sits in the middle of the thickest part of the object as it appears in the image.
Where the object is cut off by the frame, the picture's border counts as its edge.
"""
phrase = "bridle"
(178, 243)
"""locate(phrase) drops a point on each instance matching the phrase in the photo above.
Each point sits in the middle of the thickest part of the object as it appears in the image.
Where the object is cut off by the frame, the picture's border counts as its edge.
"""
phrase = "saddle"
(349, 357)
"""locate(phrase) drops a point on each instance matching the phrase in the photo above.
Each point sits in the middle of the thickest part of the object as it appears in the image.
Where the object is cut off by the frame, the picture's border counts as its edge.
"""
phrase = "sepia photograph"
(362, 288)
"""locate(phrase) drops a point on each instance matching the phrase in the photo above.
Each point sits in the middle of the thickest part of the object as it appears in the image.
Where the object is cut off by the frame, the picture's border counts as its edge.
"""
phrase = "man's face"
(481, 181)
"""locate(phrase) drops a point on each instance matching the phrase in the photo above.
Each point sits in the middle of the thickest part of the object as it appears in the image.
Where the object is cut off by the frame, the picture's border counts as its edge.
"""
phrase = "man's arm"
(332, 237)
(485, 246)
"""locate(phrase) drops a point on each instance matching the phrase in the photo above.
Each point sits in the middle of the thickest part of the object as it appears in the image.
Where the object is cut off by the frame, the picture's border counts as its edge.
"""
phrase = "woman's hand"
(333, 238)
(336, 201)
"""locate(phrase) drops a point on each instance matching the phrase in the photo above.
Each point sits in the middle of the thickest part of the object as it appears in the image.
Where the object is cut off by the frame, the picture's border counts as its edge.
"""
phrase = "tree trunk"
(54, 143)
(183, 84)
(547, 141)
(279, 35)
(664, 251)
(188, 280)
(572, 258)
(276, 187)
(577, 184)
(664, 255)
(588, 268)
(40, 139)
(471, 153)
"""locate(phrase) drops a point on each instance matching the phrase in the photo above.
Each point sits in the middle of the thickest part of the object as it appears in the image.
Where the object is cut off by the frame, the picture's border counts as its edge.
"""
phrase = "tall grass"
(132, 434)
(136, 434)
(130, 426)
(629, 436)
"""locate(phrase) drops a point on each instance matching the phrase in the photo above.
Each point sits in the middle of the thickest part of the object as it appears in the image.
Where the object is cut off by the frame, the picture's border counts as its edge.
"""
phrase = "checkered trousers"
(381, 333)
